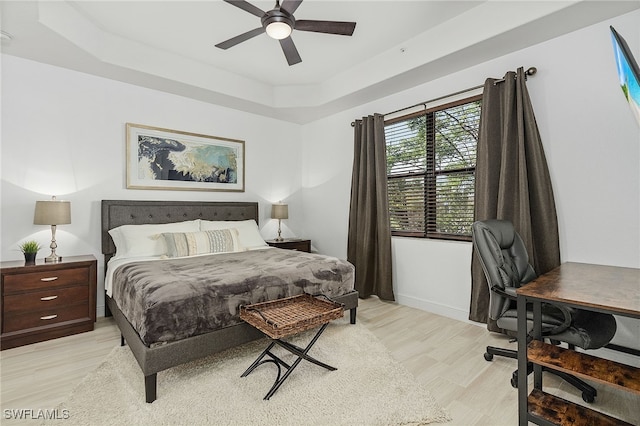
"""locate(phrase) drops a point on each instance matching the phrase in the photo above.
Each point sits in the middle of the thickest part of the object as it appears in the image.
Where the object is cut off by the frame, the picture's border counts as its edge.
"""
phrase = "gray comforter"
(172, 299)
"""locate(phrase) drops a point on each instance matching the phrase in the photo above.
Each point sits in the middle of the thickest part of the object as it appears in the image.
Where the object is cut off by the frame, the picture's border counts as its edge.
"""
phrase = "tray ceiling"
(170, 46)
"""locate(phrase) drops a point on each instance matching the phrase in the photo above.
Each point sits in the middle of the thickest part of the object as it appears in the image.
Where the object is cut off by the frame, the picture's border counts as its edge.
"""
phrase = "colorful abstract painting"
(170, 159)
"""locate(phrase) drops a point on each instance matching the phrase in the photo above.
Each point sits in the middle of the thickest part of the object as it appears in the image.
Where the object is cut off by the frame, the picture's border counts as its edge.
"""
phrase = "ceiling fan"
(279, 22)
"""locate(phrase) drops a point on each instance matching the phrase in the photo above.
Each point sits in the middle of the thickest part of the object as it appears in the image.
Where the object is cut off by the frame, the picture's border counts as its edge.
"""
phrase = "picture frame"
(169, 159)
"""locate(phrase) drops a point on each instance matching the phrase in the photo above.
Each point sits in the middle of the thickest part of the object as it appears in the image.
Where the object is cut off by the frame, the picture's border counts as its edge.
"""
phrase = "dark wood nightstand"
(46, 300)
(292, 244)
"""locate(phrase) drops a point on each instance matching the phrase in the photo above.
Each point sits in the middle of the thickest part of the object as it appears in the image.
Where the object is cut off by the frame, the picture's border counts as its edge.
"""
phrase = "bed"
(158, 349)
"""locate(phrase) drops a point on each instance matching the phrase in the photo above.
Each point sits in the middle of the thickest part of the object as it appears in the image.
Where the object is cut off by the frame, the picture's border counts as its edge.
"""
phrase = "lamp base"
(53, 258)
(279, 237)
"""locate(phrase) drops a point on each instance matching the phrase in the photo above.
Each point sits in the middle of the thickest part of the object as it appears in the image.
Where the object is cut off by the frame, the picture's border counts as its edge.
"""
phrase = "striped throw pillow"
(180, 244)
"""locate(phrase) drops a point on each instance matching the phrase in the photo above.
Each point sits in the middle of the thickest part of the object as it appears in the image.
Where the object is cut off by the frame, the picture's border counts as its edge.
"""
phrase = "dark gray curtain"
(369, 241)
(512, 181)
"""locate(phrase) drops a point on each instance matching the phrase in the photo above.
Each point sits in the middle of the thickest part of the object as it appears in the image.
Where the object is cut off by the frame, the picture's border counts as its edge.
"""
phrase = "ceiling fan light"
(278, 30)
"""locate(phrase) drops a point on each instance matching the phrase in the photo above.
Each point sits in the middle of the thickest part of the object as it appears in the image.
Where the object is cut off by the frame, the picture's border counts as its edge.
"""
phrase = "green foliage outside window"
(431, 160)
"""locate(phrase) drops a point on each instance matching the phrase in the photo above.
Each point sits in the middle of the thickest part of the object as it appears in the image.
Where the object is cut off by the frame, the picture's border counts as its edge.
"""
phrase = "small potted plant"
(30, 250)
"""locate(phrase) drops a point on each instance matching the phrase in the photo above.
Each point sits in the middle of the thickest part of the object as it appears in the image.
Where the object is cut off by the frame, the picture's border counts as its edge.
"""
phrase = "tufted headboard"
(134, 212)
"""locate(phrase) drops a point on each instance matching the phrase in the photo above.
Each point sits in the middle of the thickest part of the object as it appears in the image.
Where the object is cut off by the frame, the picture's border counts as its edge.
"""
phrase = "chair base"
(588, 392)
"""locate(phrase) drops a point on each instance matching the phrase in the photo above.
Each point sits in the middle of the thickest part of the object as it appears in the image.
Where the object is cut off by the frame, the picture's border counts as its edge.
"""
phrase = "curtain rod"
(528, 72)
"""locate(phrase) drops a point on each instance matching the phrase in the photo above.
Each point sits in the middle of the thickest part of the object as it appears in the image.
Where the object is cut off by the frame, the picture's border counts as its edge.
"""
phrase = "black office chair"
(506, 265)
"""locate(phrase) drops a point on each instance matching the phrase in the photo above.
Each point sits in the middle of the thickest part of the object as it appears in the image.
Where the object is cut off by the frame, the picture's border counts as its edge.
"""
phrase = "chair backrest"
(504, 259)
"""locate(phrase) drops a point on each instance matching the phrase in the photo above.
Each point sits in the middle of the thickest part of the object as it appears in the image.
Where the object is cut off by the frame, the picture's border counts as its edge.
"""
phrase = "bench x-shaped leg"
(300, 352)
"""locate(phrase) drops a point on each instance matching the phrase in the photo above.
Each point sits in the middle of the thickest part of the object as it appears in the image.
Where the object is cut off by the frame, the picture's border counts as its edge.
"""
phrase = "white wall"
(63, 133)
(590, 137)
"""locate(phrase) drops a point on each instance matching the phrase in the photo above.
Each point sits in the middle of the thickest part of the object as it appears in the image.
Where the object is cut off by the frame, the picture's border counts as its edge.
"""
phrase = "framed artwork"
(170, 159)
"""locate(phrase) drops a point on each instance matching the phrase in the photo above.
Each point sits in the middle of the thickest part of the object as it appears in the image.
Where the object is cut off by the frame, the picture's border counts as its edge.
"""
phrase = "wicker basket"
(285, 317)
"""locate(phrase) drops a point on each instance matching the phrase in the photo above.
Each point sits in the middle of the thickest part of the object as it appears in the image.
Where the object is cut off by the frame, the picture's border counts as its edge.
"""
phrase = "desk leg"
(537, 334)
(523, 391)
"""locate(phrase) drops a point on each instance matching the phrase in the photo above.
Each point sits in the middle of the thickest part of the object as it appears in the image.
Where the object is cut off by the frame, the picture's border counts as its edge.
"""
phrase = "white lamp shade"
(278, 30)
(279, 211)
(52, 212)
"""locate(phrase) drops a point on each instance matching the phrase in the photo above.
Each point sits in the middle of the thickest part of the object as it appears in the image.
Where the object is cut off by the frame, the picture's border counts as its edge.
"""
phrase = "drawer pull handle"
(49, 317)
(44, 299)
(49, 279)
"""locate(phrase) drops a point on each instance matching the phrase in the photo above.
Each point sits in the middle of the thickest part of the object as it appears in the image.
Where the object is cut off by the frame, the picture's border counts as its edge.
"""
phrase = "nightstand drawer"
(45, 299)
(44, 280)
(45, 317)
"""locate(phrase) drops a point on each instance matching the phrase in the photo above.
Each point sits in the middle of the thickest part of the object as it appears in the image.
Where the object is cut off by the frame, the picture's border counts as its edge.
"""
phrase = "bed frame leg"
(352, 315)
(150, 387)
(121, 340)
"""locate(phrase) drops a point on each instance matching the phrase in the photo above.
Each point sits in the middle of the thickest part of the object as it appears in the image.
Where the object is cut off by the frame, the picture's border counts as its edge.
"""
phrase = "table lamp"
(52, 212)
(279, 211)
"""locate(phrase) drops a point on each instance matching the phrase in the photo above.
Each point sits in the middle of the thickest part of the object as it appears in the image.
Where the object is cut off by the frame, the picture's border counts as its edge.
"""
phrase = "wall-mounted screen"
(628, 72)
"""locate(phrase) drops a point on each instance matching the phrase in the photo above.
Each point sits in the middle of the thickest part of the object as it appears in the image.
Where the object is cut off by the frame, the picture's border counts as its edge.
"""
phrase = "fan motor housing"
(277, 15)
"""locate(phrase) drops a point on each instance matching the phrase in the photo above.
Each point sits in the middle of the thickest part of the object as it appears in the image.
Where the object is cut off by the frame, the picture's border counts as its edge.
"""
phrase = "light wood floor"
(443, 354)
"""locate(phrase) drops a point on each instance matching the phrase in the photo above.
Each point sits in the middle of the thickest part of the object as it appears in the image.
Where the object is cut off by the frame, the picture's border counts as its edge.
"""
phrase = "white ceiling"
(170, 45)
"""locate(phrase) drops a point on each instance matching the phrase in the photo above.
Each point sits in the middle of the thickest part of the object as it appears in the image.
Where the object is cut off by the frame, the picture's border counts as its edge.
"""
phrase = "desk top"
(606, 288)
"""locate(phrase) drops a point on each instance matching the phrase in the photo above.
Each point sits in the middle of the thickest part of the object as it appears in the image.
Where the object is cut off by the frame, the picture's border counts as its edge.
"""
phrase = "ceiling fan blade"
(247, 7)
(328, 27)
(290, 51)
(290, 6)
(240, 38)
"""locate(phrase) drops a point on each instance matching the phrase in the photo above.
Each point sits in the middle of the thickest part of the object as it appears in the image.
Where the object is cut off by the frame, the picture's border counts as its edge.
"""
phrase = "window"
(431, 161)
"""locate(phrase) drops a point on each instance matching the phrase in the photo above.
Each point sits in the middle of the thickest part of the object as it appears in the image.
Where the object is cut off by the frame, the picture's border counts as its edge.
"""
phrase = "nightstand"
(292, 244)
(46, 300)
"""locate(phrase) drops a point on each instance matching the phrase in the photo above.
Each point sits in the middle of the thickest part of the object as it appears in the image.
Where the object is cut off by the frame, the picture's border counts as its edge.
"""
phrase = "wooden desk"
(599, 288)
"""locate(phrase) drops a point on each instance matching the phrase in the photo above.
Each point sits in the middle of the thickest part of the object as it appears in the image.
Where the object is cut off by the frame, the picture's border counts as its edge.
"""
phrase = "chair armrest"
(508, 292)
(566, 312)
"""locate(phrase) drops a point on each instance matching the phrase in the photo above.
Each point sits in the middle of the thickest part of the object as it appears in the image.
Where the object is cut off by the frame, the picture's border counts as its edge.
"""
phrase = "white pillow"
(180, 244)
(248, 232)
(146, 240)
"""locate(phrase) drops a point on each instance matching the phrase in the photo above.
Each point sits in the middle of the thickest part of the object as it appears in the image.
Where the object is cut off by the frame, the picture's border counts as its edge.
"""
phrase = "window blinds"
(431, 157)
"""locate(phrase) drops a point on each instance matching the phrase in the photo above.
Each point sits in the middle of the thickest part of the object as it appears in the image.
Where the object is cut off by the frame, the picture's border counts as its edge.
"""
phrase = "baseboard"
(434, 308)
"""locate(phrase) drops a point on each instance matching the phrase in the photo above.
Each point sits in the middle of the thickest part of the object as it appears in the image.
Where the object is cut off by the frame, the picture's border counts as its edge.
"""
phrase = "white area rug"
(368, 388)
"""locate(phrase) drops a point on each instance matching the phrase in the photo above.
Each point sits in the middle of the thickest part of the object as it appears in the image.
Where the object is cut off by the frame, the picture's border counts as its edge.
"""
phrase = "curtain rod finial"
(532, 71)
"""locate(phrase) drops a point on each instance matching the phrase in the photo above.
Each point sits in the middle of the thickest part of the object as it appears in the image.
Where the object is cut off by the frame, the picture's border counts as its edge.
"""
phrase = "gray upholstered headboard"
(134, 212)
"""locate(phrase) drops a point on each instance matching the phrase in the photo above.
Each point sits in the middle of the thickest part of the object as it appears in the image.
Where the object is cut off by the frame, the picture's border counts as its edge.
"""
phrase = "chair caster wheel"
(588, 397)
(488, 356)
